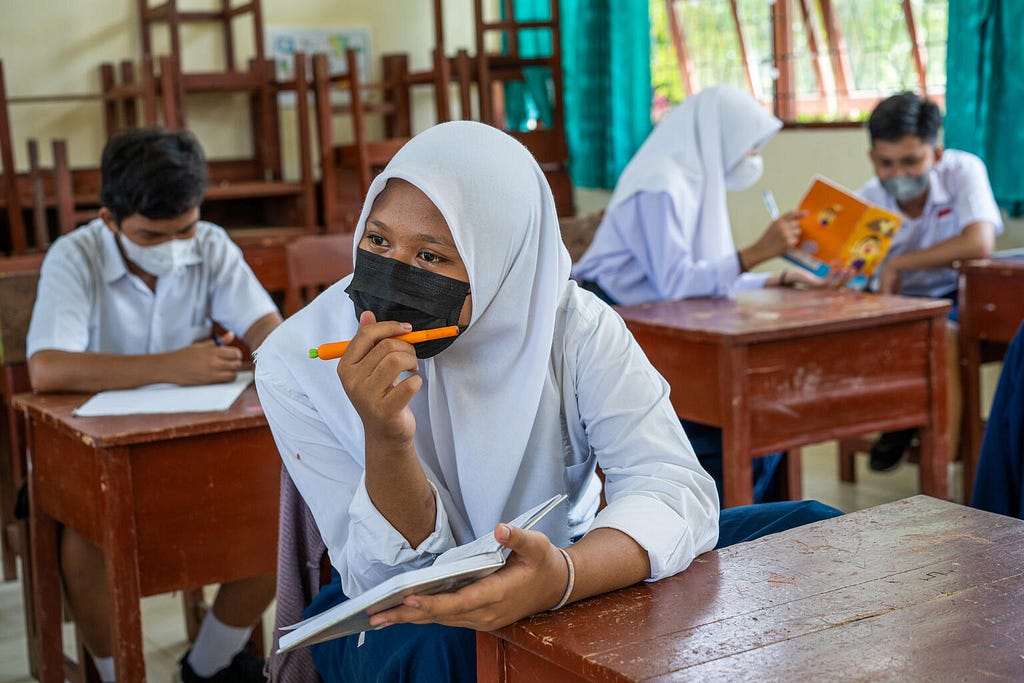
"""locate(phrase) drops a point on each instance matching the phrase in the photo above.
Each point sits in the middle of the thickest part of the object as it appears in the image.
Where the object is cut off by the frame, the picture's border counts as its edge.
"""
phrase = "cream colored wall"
(56, 46)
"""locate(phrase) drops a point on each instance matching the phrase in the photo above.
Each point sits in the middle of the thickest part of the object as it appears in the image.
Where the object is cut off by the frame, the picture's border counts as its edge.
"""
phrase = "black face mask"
(393, 290)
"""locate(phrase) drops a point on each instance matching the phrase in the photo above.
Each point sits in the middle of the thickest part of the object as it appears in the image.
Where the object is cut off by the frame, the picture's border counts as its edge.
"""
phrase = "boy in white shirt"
(949, 215)
(130, 299)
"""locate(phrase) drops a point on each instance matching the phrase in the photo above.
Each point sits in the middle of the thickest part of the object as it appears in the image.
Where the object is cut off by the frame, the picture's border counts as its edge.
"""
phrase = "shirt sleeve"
(363, 546)
(973, 198)
(61, 314)
(657, 492)
(666, 253)
(237, 299)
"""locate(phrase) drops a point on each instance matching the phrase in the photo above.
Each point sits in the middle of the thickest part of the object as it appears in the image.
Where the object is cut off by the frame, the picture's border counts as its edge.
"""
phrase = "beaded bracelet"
(570, 583)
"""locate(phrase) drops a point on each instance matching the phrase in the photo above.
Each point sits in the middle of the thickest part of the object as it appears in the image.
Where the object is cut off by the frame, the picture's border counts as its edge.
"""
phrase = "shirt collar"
(114, 266)
(937, 192)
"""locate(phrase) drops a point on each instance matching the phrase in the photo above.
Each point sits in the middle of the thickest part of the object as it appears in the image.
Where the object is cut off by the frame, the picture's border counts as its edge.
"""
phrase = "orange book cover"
(842, 230)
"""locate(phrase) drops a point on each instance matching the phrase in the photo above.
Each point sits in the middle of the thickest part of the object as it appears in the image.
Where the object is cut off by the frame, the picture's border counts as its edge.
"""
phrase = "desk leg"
(120, 545)
(934, 440)
(737, 462)
(46, 588)
(970, 377)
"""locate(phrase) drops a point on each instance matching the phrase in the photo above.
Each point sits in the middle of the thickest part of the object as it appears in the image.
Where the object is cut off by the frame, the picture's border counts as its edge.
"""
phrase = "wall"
(56, 46)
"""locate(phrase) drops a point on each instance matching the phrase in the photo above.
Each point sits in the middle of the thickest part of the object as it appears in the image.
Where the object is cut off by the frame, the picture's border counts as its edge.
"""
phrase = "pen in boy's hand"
(216, 339)
(333, 350)
(769, 203)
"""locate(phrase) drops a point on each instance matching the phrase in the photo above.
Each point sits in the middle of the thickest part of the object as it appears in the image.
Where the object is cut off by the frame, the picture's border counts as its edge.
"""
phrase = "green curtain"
(607, 81)
(985, 91)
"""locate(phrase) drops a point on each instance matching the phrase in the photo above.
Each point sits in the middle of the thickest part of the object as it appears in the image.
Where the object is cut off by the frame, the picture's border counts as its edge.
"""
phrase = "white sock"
(216, 645)
(105, 668)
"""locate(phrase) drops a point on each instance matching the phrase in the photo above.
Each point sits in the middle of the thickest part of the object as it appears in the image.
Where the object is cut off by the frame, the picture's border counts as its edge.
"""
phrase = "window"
(807, 60)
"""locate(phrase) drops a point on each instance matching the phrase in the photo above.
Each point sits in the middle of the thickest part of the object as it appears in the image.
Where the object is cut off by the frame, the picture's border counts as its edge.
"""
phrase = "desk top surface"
(776, 313)
(125, 430)
(919, 588)
(1010, 266)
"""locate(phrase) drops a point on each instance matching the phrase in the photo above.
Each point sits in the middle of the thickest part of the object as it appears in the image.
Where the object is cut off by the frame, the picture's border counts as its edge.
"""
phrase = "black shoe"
(244, 668)
(890, 449)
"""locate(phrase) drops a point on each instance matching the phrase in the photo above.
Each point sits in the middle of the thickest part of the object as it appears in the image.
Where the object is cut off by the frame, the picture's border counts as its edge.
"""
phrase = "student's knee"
(80, 560)
(813, 511)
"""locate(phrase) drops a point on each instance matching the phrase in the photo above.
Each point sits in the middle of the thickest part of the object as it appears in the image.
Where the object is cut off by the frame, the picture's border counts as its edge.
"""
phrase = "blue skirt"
(404, 653)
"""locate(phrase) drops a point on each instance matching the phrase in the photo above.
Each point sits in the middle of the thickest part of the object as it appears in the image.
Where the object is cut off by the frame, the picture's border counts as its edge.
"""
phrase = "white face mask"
(160, 259)
(744, 174)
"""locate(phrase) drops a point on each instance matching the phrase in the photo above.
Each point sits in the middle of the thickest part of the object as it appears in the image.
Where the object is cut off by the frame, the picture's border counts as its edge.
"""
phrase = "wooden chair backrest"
(17, 296)
(314, 263)
(16, 239)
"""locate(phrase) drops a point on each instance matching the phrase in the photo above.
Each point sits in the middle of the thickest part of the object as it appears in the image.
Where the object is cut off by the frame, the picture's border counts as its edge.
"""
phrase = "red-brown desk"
(991, 302)
(777, 369)
(176, 501)
(920, 589)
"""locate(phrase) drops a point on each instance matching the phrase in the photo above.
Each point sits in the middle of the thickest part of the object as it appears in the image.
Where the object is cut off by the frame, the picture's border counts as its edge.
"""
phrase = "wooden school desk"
(175, 501)
(991, 301)
(779, 368)
(920, 589)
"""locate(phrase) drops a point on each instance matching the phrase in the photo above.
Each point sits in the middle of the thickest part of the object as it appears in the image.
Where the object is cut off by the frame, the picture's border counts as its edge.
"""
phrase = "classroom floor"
(163, 629)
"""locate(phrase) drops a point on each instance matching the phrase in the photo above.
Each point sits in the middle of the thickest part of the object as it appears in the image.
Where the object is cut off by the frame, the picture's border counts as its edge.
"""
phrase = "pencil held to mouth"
(333, 350)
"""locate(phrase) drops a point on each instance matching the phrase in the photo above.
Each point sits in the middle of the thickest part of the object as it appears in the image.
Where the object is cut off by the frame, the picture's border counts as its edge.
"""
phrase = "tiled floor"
(163, 629)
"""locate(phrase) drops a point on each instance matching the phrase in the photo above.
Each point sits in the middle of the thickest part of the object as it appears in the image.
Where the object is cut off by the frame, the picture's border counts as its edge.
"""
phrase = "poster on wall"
(282, 43)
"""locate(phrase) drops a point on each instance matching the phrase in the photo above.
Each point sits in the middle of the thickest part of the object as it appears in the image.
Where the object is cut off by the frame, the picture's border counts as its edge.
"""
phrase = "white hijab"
(481, 395)
(689, 153)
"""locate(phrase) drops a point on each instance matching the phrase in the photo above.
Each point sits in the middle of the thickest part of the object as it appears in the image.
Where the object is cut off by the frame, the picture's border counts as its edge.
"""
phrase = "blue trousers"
(999, 482)
(404, 653)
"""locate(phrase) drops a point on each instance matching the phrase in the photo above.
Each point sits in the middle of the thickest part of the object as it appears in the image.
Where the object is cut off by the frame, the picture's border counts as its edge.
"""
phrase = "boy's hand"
(533, 580)
(371, 369)
(205, 362)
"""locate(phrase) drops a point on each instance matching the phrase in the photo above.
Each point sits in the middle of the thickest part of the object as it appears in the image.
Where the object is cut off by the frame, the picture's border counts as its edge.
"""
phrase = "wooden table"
(777, 369)
(175, 501)
(920, 589)
(991, 302)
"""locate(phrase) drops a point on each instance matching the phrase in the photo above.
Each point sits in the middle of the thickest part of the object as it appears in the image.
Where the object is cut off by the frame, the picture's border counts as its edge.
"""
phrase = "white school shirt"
(635, 258)
(617, 414)
(89, 301)
(959, 195)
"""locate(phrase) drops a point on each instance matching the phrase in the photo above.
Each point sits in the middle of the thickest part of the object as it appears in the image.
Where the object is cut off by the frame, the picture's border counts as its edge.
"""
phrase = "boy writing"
(127, 300)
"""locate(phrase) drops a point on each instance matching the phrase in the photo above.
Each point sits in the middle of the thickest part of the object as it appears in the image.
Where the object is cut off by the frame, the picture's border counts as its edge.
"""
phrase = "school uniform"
(666, 233)
(543, 385)
(959, 194)
(999, 482)
(88, 300)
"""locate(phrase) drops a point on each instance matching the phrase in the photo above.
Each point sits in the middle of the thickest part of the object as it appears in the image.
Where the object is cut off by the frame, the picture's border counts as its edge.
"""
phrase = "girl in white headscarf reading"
(402, 452)
(666, 234)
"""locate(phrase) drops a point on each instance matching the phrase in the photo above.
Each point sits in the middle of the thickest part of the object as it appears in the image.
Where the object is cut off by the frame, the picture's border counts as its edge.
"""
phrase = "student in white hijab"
(402, 452)
(666, 234)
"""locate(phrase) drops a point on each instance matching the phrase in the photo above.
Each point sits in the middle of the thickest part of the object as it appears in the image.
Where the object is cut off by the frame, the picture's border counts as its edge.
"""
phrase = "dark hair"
(905, 114)
(153, 172)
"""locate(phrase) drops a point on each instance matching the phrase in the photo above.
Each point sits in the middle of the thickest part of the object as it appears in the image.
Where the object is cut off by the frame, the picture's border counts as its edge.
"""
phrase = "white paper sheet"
(165, 398)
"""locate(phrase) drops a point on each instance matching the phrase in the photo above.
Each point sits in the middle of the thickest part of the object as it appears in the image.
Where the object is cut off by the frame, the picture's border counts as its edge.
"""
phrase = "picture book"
(451, 570)
(842, 230)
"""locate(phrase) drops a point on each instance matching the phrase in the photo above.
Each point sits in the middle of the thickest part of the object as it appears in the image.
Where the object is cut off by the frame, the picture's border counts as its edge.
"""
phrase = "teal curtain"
(985, 91)
(607, 81)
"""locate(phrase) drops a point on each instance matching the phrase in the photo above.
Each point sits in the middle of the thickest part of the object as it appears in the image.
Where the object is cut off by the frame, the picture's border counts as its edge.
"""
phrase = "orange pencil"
(333, 350)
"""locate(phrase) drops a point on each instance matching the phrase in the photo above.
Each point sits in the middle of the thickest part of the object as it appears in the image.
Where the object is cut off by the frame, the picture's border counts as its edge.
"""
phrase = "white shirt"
(959, 194)
(617, 415)
(89, 301)
(637, 257)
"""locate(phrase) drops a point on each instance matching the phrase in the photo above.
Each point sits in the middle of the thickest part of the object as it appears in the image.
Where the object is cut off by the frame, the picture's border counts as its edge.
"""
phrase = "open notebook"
(166, 398)
(452, 570)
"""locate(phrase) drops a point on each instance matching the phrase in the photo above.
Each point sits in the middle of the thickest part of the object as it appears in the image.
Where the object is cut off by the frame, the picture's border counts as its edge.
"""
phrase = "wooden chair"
(547, 141)
(346, 170)
(159, 98)
(314, 263)
(15, 238)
